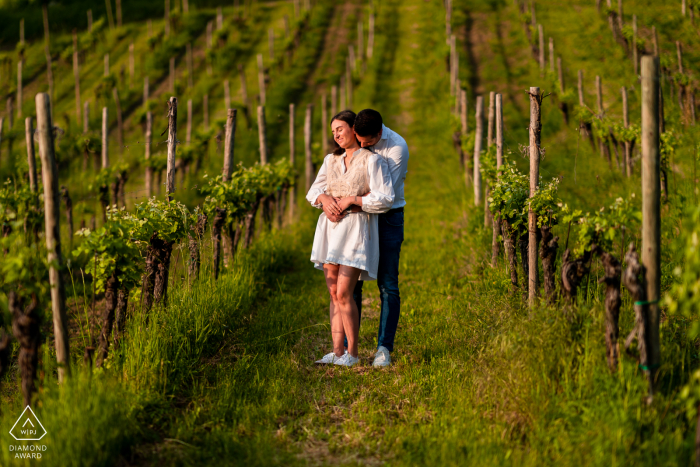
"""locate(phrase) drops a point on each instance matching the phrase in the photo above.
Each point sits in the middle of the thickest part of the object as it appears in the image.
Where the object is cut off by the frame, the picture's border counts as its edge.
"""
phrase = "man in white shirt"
(373, 135)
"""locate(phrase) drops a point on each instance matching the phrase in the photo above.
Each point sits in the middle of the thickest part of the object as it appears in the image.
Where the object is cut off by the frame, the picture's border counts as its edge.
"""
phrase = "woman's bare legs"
(344, 316)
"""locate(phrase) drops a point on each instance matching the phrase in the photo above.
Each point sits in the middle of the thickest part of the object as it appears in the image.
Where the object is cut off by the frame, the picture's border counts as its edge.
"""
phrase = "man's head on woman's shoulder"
(352, 130)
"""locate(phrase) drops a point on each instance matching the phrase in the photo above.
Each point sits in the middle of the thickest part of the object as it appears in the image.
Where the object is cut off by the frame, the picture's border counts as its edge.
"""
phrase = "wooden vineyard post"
(453, 63)
(76, 77)
(370, 37)
(499, 163)
(341, 98)
(334, 100)
(562, 105)
(219, 18)
(540, 33)
(244, 94)
(229, 144)
(308, 154)
(463, 111)
(172, 145)
(262, 134)
(360, 42)
(190, 67)
(655, 41)
(635, 52)
(49, 171)
(551, 55)
(132, 65)
(120, 125)
(581, 100)
(348, 82)
(352, 58)
(106, 65)
(324, 123)
(31, 160)
(489, 143)
(47, 52)
(601, 111)
(271, 43)
(89, 20)
(146, 90)
(679, 53)
(20, 96)
(479, 136)
(535, 131)
(205, 111)
(626, 122)
(86, 117)
(651, 212)
(227, 95)
(166, 18)
(261, 80)
(147, 155)
(292, 161)
(188, 134)
(210, 44)
(105, 139)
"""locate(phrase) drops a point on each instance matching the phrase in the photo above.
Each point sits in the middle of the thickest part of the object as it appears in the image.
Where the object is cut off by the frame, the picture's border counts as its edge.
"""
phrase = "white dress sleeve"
(381, 196)
(318, 188)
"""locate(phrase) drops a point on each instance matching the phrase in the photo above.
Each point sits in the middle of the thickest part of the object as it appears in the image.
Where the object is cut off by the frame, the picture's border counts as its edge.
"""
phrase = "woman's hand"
(330, 205)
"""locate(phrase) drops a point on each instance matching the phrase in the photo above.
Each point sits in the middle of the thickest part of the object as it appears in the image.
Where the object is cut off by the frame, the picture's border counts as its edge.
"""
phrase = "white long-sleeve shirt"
(393, 148)
(381, 196)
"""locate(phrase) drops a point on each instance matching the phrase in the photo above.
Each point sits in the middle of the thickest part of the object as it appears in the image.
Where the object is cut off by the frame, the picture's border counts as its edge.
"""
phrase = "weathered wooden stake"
(581, 101)
(86, 116)
(551, 55)
(120, 124)
(292, 160)
(205, 105)
(307, 147)
(370, 37)
(147, 155)
(89, 18)
(229, 144)
(105, 138)
(20, 98)
(49, 172)
(499, 162)
(172, 145)
(348, 81)
(563, 106)
(261, 79)
(324, 127)
(188, 135)
(219, 18)
(146, 90)
(479, 136)
(166, 18)
(491, 119)
(271, 43)
(651, 203)
(47, 52)
(262, 135)
(106, 65)
(190, 66)
(655, 41)
(463, 113)
(635, 51)
(535, 130)
(341, 103)
(132, 65)
(76, 77)
(453, 54)
(626, 122)
(334, 100)
(31, 161)
(540, 33)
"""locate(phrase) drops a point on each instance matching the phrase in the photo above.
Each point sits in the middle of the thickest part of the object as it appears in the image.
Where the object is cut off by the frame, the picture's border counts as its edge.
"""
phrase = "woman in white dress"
(352, 186)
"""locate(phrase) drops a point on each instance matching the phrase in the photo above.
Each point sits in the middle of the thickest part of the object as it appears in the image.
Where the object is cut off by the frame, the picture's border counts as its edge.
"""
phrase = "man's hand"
(334, 218)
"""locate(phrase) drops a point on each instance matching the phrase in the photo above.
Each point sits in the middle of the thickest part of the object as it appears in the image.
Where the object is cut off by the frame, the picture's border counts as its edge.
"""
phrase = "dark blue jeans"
(390, 239)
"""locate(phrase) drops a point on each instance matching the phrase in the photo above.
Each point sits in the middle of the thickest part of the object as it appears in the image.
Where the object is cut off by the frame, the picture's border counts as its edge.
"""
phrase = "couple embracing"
(360, 188)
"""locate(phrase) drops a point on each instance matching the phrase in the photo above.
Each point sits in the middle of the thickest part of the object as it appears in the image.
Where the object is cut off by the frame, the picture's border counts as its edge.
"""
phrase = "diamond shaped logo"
(28, 427)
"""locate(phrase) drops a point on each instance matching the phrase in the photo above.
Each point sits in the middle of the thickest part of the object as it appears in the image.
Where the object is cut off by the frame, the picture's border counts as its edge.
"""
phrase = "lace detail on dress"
(354, 182)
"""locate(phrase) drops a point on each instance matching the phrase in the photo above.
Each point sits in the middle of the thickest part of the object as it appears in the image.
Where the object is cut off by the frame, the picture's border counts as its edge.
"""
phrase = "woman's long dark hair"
(347, 116)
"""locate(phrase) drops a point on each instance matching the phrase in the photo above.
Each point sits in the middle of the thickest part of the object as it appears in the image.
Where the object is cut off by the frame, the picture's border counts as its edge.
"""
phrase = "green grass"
(225, 374)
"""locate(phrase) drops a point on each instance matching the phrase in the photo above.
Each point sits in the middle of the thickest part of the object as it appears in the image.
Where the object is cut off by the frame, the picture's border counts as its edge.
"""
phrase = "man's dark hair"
(368, 123)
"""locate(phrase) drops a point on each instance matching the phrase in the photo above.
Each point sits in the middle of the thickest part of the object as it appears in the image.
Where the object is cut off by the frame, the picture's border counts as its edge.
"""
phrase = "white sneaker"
(329, 358)
(382, 357)
(346, 360)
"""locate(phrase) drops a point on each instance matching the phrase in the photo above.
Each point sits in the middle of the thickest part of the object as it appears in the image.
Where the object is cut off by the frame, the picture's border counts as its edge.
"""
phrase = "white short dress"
(354, 240)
